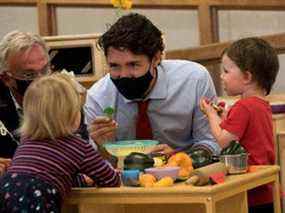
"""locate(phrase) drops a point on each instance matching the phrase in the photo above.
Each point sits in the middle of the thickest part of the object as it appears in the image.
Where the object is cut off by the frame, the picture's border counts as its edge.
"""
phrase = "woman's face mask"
(22, 86)
(133, 88)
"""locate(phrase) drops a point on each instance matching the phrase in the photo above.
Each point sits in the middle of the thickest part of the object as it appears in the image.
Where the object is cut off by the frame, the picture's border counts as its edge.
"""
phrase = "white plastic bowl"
(160, 172)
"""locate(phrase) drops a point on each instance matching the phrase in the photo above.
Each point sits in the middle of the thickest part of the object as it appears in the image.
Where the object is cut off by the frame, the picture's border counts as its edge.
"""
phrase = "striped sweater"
(59, 162)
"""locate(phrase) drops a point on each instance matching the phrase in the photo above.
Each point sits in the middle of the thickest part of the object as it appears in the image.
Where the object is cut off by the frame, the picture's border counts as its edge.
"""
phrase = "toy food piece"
(182, 160)
(164, 182)
(217, 108)
(184, 172)
(147, 180)
(222, 104)
(136, 160)
(200, 158)
(233, 148)
(109, 111)
(201, 176)
(158, 162)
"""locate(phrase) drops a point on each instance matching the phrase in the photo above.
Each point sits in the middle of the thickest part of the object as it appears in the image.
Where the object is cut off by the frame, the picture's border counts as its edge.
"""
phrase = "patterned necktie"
(143, 127)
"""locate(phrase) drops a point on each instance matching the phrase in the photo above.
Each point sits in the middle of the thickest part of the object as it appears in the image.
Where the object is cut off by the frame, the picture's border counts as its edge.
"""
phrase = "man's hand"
(162, 149)
(102, 129)
(4, 164)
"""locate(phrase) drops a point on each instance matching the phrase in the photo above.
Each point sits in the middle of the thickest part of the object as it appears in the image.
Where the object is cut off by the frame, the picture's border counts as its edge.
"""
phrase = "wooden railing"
(211, 54)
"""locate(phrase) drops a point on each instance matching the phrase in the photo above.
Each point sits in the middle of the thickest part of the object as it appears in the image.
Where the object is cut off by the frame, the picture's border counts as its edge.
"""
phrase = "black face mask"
(133, 88)
(22, 86)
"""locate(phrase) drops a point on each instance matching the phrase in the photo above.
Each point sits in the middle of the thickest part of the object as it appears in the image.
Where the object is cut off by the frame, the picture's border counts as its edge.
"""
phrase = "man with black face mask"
(133, 47)
(23, 57)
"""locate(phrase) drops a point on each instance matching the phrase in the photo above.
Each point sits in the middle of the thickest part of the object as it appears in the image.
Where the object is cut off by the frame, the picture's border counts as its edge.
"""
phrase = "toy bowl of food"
(121, 149)
(125, 147)
(161, 172)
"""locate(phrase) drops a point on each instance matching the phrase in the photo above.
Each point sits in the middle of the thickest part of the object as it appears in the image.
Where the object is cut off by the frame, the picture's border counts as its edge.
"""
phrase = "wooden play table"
(230, 196)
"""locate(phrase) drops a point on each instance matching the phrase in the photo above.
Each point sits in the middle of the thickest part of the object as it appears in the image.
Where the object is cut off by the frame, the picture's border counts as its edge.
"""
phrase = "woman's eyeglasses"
(30, 74)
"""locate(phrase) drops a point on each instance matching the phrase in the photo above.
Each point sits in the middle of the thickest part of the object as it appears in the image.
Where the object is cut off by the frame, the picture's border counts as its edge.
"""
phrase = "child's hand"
(4, 164)
(88, 180)
(206, 107)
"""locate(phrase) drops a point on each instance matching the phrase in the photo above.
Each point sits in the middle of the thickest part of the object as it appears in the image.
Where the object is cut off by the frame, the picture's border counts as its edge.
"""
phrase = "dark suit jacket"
(10, 118)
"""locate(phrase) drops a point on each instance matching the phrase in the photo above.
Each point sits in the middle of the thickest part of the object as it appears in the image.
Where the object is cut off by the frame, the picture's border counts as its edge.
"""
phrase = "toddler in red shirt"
(249, 69)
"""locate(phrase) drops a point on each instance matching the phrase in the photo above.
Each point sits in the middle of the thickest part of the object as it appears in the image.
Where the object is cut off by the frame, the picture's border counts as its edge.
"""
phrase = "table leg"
(276, 195)
(210, 205)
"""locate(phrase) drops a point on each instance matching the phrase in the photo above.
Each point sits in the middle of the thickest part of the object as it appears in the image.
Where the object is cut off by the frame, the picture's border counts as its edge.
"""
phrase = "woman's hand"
(4, 164)
(102, 129)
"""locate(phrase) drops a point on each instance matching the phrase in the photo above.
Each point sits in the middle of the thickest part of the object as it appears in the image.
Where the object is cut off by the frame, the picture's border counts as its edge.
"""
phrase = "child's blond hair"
(51, 106)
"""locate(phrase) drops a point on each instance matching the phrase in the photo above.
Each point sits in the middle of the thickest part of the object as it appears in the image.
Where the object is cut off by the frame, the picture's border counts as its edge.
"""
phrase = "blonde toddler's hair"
(50, 107)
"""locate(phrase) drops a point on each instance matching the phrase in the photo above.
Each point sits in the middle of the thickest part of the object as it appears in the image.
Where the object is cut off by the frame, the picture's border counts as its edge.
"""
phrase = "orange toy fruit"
(147, 180)
(182, 160)
(184, 172)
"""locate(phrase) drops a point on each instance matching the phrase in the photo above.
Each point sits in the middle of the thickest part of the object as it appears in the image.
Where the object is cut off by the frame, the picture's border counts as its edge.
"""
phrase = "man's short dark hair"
(258, 57)
(133, 32)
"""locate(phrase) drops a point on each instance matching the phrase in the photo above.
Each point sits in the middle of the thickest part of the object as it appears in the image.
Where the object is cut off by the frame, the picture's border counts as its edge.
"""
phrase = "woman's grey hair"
(15, 42)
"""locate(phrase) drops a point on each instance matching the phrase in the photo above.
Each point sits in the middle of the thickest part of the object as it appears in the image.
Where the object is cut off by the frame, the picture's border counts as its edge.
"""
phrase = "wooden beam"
(47, 19)
(215, 24)
(207, 23)
(136, 3)
(18, 2)
(248, 4)
(210, 54)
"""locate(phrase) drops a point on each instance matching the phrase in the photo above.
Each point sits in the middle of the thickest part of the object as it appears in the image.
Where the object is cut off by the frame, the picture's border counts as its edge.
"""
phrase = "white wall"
(18, 18)
(179, 26)
(238, 24)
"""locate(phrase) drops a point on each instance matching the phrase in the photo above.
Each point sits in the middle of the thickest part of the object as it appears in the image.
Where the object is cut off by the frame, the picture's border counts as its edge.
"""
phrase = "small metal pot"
(236, 163)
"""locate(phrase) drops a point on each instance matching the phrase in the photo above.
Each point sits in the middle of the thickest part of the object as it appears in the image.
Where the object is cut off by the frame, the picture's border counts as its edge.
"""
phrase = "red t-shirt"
(250, 119)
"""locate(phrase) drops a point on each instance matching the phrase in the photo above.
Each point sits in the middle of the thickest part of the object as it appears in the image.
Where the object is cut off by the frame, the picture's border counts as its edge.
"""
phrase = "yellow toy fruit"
(158, 162)
(164, 182)
(147, 180)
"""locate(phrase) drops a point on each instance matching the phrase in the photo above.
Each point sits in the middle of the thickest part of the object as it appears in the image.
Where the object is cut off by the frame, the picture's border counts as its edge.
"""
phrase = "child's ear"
(247, 77)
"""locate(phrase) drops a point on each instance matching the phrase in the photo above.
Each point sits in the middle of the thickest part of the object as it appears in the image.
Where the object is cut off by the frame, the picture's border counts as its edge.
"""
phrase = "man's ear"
(157, 58)
(247, 76)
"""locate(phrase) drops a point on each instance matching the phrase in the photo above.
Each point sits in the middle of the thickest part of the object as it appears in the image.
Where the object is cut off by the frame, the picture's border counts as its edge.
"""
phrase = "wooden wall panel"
(207, 15)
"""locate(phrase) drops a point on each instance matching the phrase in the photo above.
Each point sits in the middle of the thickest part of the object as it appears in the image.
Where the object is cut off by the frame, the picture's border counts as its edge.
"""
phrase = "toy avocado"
(136, 160)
